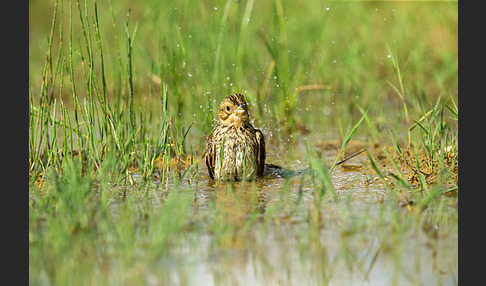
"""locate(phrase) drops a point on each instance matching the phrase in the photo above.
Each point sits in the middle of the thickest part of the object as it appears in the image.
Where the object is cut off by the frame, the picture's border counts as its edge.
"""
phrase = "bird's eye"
(227, 108)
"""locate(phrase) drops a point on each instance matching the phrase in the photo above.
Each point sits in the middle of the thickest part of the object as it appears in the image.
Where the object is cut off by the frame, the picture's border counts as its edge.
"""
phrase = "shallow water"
(273, 232)
(276, 231)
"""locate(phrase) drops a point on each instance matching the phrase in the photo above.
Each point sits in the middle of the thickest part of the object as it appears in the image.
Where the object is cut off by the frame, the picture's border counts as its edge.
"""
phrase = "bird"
(235, 150)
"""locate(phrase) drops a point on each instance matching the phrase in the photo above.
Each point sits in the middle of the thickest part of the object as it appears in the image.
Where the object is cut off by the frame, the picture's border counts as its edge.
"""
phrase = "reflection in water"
(275, 231)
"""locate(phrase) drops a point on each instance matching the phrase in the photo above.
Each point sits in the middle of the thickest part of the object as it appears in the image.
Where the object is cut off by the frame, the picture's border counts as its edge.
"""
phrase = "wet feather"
(235, 150)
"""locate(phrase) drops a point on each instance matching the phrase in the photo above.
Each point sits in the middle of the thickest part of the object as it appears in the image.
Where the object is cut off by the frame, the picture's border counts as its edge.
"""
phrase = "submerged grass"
(121, 99)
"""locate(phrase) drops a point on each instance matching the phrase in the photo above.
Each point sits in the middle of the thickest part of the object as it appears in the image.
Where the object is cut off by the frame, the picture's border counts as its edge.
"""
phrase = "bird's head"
(233, 111)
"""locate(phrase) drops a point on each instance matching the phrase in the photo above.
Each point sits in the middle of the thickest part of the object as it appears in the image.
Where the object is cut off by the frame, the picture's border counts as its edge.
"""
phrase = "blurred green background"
(267, 50)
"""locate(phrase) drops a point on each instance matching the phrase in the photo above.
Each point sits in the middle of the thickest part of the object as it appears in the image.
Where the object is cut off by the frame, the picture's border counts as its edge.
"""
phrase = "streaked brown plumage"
(235, 150)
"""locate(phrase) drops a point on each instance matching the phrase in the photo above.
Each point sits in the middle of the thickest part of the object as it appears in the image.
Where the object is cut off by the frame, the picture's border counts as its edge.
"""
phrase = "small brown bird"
(235, 150)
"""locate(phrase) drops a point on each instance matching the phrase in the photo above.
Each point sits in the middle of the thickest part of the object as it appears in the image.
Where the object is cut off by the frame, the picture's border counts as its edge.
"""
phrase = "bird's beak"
(240, 109)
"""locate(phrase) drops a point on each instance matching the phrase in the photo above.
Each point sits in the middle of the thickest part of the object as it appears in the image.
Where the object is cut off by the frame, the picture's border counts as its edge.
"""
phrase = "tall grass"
(97, 126)
(198, 63)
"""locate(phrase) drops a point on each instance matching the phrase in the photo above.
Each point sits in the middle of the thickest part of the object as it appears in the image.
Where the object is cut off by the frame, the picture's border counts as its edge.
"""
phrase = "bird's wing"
(260, 153)
(210, 155)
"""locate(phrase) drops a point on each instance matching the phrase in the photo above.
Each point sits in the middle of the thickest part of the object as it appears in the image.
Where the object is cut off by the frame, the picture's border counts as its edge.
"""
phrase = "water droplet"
(326, 110)
(215, 8)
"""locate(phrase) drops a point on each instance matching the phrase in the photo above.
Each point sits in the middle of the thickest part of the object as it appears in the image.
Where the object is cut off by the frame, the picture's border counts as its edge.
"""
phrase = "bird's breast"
(235, 153)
